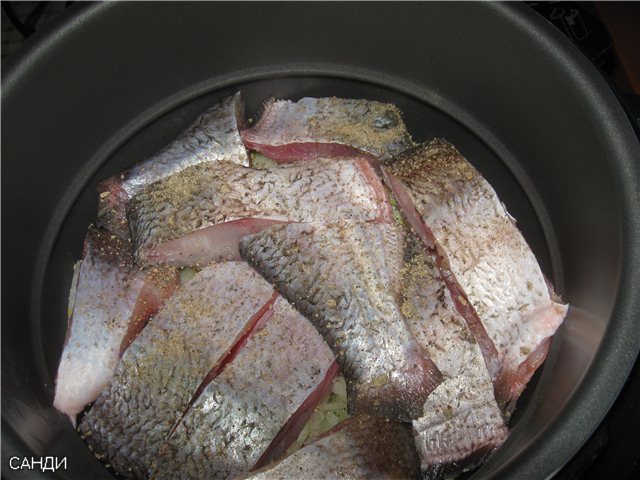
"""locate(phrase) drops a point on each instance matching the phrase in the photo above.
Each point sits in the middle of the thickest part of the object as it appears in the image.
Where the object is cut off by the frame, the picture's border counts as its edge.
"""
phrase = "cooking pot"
(106, 85)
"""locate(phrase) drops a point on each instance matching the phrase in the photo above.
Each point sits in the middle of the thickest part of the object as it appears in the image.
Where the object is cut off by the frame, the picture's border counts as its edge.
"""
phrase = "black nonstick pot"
(109, 84)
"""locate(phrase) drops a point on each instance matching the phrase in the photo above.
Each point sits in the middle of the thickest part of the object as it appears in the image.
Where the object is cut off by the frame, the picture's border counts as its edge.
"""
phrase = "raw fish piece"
(113, 301)
(328, 127)
(362, 447)
(163, 370)
(212, 137)
(239, 414)
(200, 214)
(488, 266)
(345, 277)
(462, 422)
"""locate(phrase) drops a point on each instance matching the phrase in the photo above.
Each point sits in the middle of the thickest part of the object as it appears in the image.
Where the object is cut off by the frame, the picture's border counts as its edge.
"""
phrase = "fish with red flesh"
(329, 128)
(212, 137)
(113, 300)
(200, 214)
(182, 348)
(236, 419)
(491, 272)
(441, 332)
(345, 277)
(461, 423)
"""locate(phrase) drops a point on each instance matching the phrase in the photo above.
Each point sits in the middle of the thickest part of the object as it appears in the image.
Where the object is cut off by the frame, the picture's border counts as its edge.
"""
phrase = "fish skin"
(462, 422)
(290, 433)
(345, 277)
(160, 372)
(209, 196)
(361, 447)
(212, 137)
(487, 256)
(113, 301)
(334, 127)
(239, 413)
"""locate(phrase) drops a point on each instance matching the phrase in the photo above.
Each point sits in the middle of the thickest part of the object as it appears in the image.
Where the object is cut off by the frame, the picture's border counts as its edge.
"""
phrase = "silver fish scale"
(338, 275)
(486, 252)
(208, 194)
(370, 126)
(461, 416)
(106, 294)
(240, 412)
(213, 136)
(362, 447)
(162, 369)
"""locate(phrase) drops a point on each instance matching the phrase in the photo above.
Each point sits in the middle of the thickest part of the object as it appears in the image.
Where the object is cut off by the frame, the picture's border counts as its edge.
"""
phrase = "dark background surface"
(609, 34)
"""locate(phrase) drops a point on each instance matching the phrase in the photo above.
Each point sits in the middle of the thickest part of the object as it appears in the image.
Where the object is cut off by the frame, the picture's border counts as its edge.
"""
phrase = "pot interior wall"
(528, 112)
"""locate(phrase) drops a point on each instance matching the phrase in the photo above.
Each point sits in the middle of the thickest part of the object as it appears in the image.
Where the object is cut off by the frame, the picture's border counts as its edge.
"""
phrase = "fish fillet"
(328, 127)
(462, 422)
(200, 214)
(362, 447)
(487, 262)
(345, 277)
(239, 414)
(113, 301)
(212, 137)
(164, 367)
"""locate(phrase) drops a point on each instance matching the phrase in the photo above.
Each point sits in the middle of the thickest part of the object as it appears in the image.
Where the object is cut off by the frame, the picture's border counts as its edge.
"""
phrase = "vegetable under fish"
(362, 447)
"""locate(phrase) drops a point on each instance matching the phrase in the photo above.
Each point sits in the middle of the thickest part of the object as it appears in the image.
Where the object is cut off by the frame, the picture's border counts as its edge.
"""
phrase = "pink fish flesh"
(328, 127)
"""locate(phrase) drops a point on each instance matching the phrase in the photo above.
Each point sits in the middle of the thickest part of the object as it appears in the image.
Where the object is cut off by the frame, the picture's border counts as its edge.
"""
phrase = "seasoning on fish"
(362, 447)
(366, 343)
(328, 127)
(200, 214)
(462, 422)
(212, 137)
(240, 413)
(113, 301)
(490, 270)
(182, 348)
(345, 277)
